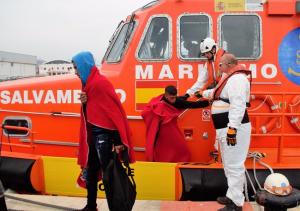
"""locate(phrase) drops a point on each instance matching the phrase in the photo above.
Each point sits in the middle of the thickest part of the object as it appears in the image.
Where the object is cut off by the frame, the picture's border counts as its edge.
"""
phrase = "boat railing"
(18, 128)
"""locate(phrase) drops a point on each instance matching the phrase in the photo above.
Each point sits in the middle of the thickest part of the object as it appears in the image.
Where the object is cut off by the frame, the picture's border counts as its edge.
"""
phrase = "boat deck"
(18, 202)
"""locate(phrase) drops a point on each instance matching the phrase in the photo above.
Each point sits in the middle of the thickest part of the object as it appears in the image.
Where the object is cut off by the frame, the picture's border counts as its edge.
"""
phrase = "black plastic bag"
(119, 184)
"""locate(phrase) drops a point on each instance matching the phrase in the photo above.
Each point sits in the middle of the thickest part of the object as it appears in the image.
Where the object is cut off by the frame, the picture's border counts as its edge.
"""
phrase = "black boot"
(86, 208)
(231, 207)
(224, 200)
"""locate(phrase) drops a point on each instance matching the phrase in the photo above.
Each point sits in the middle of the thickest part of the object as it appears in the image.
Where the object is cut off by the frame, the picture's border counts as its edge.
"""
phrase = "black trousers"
(100, 153)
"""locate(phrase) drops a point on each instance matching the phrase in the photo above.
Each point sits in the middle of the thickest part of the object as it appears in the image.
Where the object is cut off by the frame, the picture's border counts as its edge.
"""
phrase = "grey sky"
(58, 29)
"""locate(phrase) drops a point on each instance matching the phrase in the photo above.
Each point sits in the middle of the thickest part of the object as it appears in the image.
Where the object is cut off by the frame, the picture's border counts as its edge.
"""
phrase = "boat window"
(19, 122)
(241, 35)
(155, 43)
(119, 43)
(192, 29)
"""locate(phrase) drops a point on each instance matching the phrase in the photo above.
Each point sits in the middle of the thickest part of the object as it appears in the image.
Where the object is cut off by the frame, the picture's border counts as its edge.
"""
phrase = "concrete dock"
(25, 202)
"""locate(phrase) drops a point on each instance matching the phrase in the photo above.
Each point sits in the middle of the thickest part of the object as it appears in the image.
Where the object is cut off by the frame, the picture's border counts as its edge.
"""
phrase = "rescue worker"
(209, 77)
(164, 141)
(103, 127)
(233, 129)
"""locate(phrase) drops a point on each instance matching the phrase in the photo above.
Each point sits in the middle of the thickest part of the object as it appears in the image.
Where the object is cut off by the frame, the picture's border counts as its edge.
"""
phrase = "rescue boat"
(155, 46)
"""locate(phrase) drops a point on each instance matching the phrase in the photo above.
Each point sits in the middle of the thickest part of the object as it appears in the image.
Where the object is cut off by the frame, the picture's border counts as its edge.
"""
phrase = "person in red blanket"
(164, 140)
(104, 126)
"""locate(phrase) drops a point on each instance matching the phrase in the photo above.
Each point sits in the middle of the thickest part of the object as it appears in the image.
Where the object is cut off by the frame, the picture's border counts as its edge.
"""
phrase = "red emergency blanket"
(103, 109)
(164, 140)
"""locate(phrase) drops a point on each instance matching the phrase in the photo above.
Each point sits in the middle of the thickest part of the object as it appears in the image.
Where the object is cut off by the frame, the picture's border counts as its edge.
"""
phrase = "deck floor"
(140, 205)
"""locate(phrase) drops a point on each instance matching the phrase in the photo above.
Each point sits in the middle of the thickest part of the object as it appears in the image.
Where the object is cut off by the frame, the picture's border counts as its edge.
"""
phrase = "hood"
(84, 62)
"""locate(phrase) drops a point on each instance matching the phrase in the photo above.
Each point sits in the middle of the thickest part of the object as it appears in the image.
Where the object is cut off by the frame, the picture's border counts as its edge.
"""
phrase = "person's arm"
(83, 97)
(208, 94)
(201, 81)
(184, 97)
(118, 145)
(238, 92)
(183, 104)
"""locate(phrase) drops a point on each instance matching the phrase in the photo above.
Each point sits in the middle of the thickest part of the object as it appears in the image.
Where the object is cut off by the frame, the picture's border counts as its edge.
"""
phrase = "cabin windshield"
(244, 28)
(193, 29)
(119, 42)
(155, 43)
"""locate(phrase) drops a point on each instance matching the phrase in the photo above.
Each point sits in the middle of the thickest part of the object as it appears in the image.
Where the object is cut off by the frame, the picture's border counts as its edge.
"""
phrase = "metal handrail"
(11, 127)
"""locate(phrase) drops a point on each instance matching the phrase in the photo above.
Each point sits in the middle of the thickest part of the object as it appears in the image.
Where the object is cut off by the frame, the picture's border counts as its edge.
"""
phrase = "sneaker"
(86, 208)
(224, 200)
(231, 207)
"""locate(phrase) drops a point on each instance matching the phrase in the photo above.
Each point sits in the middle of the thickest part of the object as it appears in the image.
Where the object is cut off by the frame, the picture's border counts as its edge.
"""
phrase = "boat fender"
(15, 174)
(199, 182)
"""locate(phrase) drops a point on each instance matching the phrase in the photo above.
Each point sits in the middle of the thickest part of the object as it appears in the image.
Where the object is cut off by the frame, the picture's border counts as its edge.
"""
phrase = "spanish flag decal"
(146, 90)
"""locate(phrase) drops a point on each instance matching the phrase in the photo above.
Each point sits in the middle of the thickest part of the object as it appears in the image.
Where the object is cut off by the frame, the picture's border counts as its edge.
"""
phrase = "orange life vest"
(214, 74)
(235, 70)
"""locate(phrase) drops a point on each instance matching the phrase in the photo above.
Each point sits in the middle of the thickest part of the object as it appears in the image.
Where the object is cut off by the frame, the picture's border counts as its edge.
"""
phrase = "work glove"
(212, 85)
(198, 94)
(184, 97)
(231, 136)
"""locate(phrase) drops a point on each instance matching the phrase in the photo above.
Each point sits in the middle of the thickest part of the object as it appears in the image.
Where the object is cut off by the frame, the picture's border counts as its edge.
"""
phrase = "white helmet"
(207, 45)
(278, 184)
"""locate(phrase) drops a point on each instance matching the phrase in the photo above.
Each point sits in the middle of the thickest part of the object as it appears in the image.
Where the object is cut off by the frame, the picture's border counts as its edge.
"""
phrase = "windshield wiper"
(111, 39)
(128, 33)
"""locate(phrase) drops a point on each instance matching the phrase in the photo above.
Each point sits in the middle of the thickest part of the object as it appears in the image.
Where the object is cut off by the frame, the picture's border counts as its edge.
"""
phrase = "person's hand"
(184, 97)
(83, 97)
(212, 85)
(231, 136)
(119, 148)
(198, 94)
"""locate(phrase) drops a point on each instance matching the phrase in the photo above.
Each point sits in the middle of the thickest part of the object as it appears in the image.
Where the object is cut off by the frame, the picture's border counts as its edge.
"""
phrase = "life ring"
(294, 120)
(272, 122)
